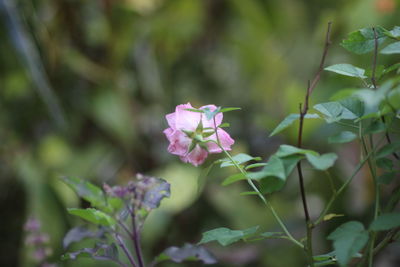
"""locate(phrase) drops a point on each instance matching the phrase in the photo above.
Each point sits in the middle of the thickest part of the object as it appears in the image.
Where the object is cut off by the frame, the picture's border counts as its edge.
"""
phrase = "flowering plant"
(371, 110)
(193, 134)
(366, 114)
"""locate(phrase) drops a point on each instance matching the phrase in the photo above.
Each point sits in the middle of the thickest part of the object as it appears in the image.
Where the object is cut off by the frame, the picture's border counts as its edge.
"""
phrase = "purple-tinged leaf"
(187, 252)
(78, 233)
(100, 252)
(159, 190)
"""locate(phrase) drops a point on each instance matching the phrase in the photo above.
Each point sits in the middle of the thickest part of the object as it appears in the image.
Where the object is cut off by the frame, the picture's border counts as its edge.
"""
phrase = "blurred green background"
(85, 86)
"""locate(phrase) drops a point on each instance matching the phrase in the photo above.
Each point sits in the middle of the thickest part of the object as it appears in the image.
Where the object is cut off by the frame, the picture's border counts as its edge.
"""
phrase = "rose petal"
(171, 120)
(196, 157)
(224, 138)
(185, 119)
(179, 142)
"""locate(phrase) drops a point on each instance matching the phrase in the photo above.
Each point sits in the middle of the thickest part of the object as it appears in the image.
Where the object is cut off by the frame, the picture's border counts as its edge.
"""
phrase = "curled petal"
(179, 142)
(224, 138)
(196, 157)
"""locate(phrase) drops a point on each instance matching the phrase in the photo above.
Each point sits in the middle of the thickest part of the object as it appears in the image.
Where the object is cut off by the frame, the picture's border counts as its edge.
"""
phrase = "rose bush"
(192, 136)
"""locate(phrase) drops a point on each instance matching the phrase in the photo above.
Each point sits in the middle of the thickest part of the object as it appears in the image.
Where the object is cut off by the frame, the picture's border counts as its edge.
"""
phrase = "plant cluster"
(368, 115)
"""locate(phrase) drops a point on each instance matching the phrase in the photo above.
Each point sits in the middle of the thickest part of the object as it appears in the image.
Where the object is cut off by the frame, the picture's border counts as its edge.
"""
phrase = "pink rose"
(184, 134)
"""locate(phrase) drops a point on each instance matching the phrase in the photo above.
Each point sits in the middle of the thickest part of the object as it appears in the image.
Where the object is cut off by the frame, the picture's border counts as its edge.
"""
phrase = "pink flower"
(188, 130)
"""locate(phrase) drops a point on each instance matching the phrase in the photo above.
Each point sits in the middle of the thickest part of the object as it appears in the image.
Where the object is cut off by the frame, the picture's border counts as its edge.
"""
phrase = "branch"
(303, 111)
(136, 241)
(124, 248)
(373, 80)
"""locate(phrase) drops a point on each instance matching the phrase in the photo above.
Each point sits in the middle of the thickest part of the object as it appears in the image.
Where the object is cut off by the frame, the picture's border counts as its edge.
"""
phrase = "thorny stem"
(303, 112)
(260, 195)
(122, 245)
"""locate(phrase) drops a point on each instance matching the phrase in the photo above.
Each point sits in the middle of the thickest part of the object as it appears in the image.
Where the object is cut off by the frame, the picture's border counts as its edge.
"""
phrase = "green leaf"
(255, 165)
(395, 33)
(354, 105)
(325, 259)
(385, 164)
(114, 203)
(233, 178)
(239, 159)
(287, 150)
(342, 137)
(223, 110)
(94, 216)
(394, 98)
(272, 234)
(330, 216)
(391, 68)
(371, 99)
(335, 111)
(88, 191)
(274, 167)
(386, 178)
(273, 176)
(341, 94)
(322, 162)
(386, 222)
(195, 110)
(224, 125)
(326, 256)
(348, 240)
(363, 41)
(376, 126)
(387, 150)
(347, 70)
(393, 48)
(226, 236)
(289, 120)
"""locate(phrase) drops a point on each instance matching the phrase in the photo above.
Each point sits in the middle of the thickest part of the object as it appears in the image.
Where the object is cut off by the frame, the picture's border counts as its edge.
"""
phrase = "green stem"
(331, 182)
(372, 169)
(344, 185)
(260, 195)
(389, 238)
